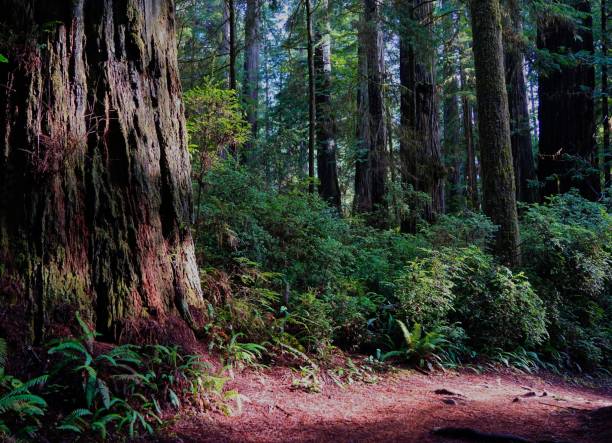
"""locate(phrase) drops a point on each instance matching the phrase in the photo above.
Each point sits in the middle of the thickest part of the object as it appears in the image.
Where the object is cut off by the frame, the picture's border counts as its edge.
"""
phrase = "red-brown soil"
(403, 407)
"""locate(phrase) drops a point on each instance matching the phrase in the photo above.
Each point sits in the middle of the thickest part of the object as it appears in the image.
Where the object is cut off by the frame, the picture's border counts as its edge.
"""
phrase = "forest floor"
(403, 406)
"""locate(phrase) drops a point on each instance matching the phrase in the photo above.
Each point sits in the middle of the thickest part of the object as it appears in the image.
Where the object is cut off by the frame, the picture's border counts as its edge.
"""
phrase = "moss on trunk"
(95, 192)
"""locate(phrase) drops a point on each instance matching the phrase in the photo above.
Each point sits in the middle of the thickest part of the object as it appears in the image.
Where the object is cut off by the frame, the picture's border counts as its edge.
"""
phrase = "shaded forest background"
(424, 183)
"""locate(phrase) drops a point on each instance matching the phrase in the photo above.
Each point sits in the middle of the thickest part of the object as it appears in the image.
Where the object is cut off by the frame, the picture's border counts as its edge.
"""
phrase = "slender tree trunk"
(251, 66)
(420, 150)
(468, 135)
(499, 195)
(568, 152)
(95, 189)
(522, 153)
(311, 98)
(605, 95)
(451, 145)
(371, 163)
(329, 188)
(231, 31)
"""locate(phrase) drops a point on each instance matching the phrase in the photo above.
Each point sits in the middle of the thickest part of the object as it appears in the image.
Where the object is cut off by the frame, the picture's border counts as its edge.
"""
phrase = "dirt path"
(403, 407)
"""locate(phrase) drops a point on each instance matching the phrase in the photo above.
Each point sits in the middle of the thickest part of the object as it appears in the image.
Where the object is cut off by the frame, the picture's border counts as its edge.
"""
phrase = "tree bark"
(311, 98)
(231, 33)
(468, 135)
(420, 149)
(605, 95)
(451, 144)
(251, 66)
(499, 195)
(95, 190)
(566, 109)
(329, 188)
(522, 153)
(371, 163)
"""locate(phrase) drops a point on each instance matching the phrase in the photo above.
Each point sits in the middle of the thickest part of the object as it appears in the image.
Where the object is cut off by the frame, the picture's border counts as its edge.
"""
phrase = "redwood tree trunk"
(566, 112)
(522, 154)
(311, 97)
(452, 146)
(95, 192)
(251, 66)
(420, 150)
(371, 163)
(499, 197)
(605, 94)
(327, 168)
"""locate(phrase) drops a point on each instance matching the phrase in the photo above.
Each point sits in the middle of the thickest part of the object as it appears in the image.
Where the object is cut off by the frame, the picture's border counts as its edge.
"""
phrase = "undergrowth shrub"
(21, 408)
(111, 391)
(567, 245)
(496, 307)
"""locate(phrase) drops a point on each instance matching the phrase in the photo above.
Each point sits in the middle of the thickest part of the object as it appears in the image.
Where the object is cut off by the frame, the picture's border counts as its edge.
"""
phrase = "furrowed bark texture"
(522, 154)
(327, 168)
(95, 193)
(371, 162)
(568, 152)
(420, 149)
(499, 197)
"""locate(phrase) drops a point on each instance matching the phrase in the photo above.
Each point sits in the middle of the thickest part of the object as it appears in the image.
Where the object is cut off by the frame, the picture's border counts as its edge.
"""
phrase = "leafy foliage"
(568, 256)
(20, 407)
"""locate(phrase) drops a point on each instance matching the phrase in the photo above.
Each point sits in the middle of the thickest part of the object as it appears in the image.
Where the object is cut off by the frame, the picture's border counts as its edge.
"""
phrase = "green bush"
(567, 245)
(496, 307)
(424, 292)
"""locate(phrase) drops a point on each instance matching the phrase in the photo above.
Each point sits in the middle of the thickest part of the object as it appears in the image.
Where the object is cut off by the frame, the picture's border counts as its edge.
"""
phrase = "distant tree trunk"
(329, 188)
(499, 196)
(566, 113)
(311, 98)
(371, 163)
(468, 135)
(451, 145)
(420, 150)
(251, 66)
(231, 33)
(95, 190)
(605, 96)
(522, 154)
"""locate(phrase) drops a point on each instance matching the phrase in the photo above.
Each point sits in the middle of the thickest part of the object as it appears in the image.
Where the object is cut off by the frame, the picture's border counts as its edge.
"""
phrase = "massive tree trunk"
(499, 197)
(420, 149)
(95, 192)
(327, 168)
(371, 162)
(522, 154)
(251, 65)
(566, 112)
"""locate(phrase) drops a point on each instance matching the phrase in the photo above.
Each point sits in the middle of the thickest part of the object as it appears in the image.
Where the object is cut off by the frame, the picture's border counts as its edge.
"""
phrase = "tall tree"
(95, 192)
(470, 149)
(452, 145)
(311, 96)
(605, 93)
(327, 168)
(251, 63)
(420, 149)
(522, 153)
(230, 27)
(371, 163)
(499, 197)
(566, 106)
